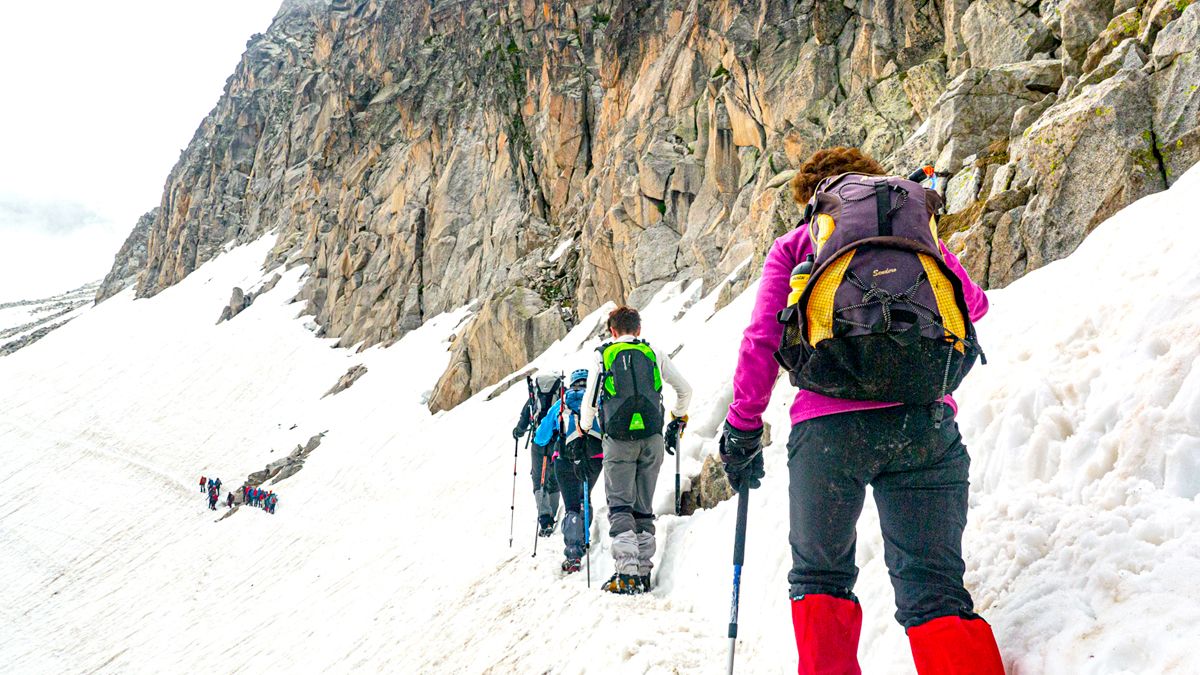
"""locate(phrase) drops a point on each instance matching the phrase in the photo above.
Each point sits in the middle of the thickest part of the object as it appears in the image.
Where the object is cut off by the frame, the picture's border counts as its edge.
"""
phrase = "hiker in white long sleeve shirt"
(624, 391)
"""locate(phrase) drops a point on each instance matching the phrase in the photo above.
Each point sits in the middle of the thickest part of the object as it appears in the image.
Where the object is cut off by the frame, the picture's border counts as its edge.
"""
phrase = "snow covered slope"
(389, 551)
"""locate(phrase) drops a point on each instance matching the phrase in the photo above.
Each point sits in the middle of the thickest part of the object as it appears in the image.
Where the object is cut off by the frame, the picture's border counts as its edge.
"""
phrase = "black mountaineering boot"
(644, 580)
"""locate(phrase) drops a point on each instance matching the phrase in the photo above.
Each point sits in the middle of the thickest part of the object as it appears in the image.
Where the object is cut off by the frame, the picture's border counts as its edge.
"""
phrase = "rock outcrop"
(130, 259)
(39, 318)
(238, 300)
(285, 467)
(485, 351)
(346, 381)
(544, 158)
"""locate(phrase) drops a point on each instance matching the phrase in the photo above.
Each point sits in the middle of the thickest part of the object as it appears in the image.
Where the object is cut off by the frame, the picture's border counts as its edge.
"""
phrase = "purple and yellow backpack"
(881, 316)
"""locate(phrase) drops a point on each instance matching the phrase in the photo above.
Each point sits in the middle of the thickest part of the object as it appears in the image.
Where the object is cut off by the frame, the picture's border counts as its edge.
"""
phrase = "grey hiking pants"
(630, 473)
(545, 492)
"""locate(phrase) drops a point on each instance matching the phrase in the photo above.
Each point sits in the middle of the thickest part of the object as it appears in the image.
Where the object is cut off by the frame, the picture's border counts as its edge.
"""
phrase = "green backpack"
(630, 391)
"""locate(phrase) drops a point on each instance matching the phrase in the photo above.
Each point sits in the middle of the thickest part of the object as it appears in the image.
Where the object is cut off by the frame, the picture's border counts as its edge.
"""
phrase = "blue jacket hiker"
(578, 461)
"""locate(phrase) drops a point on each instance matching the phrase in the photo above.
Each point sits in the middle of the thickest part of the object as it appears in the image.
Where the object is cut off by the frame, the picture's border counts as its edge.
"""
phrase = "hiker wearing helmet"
(578, 461)
(876, 332)
(625, 391)
(544, 391)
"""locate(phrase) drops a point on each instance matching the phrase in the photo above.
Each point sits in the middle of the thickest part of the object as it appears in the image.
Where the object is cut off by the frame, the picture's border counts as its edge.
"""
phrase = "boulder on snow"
(346, 381)
(238, 301)
(711, 487)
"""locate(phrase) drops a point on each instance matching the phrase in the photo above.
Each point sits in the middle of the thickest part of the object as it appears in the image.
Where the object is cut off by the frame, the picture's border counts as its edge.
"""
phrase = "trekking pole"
(678, 451)
(739, 555)
(538, 525)
(587, 528)
(512, 518)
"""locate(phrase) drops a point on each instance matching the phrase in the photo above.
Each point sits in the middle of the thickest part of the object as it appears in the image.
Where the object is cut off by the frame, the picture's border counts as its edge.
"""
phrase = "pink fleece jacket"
(757, 369)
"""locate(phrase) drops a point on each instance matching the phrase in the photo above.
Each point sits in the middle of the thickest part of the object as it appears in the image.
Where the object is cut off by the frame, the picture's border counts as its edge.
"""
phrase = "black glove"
(674, 432)
(741, 452)
(518, 431)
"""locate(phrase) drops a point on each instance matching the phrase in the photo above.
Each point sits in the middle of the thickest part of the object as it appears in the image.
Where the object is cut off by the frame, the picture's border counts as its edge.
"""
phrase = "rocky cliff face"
(547, 157)
(130, 260)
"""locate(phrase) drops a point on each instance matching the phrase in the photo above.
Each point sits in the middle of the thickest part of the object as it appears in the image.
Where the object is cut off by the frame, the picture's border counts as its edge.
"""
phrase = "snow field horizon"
(389, 549)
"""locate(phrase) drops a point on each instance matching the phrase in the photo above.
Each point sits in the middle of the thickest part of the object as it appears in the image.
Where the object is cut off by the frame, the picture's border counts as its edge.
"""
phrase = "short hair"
(830, 162)
(625, 320)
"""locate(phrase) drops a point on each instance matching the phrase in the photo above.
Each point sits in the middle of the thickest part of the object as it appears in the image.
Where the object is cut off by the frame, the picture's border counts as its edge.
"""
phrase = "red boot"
(951, 645)
(827, 630)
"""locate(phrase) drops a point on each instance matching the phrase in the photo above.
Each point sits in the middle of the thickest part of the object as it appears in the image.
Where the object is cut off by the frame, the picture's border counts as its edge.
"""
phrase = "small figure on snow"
(203, 485)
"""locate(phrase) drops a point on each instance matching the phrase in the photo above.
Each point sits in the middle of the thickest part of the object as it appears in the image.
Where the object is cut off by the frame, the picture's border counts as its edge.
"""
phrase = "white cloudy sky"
(96, 101)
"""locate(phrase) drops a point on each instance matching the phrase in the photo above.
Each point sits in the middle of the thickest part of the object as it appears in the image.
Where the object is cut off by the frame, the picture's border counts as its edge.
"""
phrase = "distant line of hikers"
(212, 486)
(258, 497)
(872, 318)
(252, 496)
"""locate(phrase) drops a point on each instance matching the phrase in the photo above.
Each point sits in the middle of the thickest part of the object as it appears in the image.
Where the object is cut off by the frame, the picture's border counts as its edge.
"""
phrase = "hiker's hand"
(517, 433)
(741, 453)
(673, 432)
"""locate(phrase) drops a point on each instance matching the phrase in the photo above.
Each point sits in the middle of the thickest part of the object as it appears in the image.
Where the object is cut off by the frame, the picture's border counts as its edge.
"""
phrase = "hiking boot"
(623, 584)
(644, 580)
(570, 566)
(545, 530)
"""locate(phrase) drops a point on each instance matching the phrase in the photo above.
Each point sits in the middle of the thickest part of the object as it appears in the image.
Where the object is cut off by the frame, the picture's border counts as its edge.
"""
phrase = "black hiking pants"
(918, 476)
(571, 479)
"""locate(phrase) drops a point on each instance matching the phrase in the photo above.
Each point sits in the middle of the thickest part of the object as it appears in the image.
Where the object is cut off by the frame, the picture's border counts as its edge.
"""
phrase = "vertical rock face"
(417, 156)
(130, 260)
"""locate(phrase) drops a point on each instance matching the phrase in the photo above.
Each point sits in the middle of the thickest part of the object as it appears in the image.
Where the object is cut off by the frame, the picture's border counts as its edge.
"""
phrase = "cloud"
(48, 246)
(46, 217)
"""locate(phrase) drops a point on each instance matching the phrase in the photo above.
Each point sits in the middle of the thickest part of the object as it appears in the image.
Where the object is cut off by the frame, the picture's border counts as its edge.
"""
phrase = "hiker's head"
(624, 321)
(579, 379)
(830, 162)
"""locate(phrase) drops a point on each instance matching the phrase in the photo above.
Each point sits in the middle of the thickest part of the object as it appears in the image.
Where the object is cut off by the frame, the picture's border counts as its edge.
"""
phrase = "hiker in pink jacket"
(911, 453)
